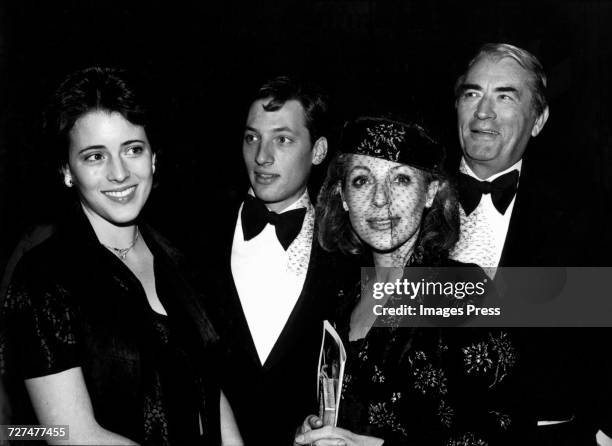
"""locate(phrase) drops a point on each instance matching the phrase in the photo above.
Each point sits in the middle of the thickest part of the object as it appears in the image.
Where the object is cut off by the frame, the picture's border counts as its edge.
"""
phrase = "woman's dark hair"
(439, 225)
(94, 88)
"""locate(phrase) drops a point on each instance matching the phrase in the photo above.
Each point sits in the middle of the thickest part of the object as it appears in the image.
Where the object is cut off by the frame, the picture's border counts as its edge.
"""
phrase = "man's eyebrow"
(507, 90)
(250, 129)
(282, 129)
(470, 87)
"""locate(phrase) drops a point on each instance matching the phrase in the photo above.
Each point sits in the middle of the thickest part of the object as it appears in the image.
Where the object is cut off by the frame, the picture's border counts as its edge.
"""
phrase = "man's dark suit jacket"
(271, 400)
(539, 225)
(547, 229)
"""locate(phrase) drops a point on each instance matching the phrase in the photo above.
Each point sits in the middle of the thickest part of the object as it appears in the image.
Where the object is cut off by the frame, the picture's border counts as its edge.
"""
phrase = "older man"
(513, 215)
(500, 105)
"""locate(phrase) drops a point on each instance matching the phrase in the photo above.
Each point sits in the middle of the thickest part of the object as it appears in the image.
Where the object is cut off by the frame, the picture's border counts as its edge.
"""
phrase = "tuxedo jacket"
(270, 400)
(540, 223)
(547, 229)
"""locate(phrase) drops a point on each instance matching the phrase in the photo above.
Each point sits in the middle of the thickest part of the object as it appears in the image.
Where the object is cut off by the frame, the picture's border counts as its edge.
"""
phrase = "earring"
(68, 181)
(344, 205)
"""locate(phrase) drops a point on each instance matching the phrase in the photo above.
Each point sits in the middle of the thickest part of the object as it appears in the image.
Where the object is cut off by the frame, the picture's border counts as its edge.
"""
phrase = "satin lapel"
(538, 225)
(515, 237)
(528, 214)
(237, 333)
(306, 308)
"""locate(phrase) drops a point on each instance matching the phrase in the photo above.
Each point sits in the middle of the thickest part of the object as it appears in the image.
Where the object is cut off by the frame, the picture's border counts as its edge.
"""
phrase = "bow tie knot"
(502, 191)
(485, 187)
(255, 217)
(273, 218)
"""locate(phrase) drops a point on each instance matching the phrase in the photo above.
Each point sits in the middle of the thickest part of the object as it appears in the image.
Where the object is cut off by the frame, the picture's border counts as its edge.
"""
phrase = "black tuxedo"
(270, 400)
(539, 223)
(545, 230)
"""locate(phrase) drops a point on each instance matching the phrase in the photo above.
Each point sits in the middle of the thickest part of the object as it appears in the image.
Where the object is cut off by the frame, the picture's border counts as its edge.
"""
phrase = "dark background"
(204, 60)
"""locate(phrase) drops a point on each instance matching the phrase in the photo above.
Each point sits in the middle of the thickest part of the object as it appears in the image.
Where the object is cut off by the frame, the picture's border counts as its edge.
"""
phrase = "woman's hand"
(230, 435)
(313, 431)
(311, 422)
(602, 439)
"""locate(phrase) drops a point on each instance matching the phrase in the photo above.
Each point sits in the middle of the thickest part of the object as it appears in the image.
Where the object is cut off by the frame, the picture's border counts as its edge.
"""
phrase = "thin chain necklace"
(122, 252)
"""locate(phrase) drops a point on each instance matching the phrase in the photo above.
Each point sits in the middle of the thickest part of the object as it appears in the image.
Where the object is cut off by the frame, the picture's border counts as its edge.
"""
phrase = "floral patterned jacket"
(451, 386)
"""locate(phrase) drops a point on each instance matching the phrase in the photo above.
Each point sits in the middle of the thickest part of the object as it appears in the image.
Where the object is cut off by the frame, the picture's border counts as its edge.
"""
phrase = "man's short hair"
(313, 100)
(525, 59)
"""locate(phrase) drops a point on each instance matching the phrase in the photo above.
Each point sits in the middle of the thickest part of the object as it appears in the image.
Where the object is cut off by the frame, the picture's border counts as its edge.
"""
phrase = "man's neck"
(303, 197)
(485, 173)
(481, 171)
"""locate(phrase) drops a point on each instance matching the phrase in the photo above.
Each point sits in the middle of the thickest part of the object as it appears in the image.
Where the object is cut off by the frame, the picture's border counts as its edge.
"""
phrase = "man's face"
(495, 115)
(278, 153)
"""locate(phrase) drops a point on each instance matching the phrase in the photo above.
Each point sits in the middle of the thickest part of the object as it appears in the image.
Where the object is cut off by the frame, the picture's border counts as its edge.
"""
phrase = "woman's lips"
(383, 224)
(121, 195)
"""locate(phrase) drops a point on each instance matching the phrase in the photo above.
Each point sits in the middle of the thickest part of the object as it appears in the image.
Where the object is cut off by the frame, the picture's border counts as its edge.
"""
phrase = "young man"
(271, 296)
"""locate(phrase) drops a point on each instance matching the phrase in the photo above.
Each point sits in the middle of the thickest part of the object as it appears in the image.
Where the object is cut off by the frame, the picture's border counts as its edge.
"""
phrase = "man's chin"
(266, 194)
(481, 153)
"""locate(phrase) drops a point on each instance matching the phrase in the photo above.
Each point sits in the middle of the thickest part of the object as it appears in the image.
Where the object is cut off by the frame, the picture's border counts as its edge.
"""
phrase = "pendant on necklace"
(123, 252)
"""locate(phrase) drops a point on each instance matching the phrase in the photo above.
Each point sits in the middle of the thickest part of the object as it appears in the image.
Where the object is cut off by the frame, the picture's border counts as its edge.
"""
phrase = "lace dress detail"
(155, 422)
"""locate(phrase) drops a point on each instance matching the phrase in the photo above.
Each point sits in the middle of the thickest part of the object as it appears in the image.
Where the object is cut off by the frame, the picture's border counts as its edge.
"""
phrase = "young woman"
(387, 198)
(104, 328)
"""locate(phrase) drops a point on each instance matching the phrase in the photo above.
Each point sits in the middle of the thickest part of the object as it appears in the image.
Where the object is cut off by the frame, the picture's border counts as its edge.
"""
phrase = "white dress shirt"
(483, 232)
(268, 279)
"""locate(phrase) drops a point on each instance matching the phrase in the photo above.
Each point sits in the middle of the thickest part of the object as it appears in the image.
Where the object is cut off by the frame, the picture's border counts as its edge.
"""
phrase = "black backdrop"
(204, 59)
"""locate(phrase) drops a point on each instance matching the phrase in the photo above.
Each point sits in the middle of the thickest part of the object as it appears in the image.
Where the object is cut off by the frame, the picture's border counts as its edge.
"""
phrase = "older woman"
(104, 330)
(386, 196)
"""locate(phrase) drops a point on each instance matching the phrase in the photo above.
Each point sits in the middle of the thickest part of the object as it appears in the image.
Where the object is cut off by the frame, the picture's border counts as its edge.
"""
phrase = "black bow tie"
(255, 217)
(502, 191)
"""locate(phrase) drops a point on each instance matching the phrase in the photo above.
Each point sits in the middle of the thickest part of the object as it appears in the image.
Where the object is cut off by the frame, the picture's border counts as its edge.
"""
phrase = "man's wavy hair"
(91, 89)
(313, 99)
(439, 229)
(497, 51)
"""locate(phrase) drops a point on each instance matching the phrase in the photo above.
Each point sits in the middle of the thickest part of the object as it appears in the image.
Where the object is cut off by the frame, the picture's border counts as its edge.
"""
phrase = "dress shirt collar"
(302, 202)
(465, 168)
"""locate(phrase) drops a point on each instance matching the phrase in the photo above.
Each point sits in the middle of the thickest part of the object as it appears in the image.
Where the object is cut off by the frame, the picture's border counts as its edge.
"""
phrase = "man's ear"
(432, 190)
(319, 150)
(538, 125)
(153, 162)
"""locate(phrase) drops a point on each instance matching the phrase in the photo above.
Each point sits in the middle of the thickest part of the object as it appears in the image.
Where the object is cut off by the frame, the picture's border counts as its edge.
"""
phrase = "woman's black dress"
(72, 303)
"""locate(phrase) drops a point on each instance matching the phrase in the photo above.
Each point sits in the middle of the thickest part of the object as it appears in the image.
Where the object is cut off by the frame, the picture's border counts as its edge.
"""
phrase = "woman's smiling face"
(111, 165)
(386, 201)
